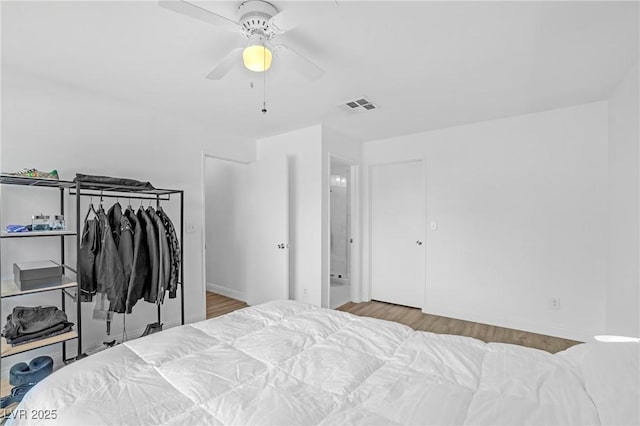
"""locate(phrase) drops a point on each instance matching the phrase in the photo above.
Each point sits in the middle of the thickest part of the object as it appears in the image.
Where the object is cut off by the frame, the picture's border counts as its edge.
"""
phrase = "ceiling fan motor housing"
(254, 16)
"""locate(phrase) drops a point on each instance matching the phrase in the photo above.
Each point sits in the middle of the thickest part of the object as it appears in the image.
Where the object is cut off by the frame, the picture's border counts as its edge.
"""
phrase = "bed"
(286, 363)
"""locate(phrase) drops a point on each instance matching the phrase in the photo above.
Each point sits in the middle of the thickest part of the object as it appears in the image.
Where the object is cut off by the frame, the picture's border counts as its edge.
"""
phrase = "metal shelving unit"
(5, 234)
(10, 289)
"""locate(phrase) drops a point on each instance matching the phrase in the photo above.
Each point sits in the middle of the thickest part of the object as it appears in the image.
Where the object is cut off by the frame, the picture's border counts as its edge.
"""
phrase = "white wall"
(225, 227)
(522, 217)
(47, 126)
(623, 307)
(303, 150)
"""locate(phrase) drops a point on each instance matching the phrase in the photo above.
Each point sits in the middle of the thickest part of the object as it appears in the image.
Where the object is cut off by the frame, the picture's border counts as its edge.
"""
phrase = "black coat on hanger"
(150, 290)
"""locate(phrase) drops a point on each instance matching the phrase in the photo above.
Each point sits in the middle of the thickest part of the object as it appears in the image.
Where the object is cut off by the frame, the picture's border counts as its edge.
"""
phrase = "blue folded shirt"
(18, 228)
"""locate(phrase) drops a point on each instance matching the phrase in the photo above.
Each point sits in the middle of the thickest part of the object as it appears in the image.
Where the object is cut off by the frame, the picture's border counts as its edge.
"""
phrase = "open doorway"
(340, 239)
(246, 257)
(225, 255)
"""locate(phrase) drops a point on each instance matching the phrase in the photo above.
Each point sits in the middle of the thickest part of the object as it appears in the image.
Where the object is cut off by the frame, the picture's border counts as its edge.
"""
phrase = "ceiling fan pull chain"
(264, 84)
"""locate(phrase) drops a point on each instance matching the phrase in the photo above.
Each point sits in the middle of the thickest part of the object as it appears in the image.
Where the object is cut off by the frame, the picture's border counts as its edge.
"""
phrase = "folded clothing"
(50, 332)
(109, 180)
(33, 321)
(18, 228)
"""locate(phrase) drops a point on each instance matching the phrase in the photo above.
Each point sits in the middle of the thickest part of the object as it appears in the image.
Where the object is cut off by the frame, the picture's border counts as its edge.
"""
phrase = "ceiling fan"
(259, 22)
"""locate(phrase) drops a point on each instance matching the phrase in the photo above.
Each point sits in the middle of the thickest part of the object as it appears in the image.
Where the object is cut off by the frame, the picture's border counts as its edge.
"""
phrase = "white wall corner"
(623, 275)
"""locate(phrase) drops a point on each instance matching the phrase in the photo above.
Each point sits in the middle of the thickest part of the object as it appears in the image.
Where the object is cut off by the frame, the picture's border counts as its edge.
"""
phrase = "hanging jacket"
(89, 245)
(140, 268)
(109, 271)
(123, 240)
(164, 268)
(150, 291)
(115, 215)
(174, 247)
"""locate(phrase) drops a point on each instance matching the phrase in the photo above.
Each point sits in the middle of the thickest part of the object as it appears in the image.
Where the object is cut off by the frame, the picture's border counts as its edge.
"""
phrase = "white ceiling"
(427, 65)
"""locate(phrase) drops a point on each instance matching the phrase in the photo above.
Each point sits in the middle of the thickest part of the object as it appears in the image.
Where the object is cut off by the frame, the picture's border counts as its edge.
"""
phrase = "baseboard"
(225, 291)
(517, 324)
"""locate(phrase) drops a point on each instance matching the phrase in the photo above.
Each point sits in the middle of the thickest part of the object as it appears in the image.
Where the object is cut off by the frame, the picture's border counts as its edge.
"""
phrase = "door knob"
(419, 242)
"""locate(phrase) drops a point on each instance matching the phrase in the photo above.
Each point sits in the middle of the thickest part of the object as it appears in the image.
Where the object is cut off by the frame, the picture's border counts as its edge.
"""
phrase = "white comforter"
(290, 363)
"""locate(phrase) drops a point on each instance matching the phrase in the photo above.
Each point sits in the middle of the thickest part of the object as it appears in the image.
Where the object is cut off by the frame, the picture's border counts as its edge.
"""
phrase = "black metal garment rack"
(91, 189)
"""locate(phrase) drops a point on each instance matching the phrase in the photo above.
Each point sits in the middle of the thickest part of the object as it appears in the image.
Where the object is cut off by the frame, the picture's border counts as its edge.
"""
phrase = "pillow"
(611, 374)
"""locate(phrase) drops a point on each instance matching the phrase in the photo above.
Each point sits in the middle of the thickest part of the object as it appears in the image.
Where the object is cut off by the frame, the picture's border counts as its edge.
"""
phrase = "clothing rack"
(104, 190)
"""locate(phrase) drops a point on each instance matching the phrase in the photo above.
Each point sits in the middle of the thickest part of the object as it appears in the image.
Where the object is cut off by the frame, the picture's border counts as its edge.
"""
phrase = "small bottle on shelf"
(40, 222)
(58, 223)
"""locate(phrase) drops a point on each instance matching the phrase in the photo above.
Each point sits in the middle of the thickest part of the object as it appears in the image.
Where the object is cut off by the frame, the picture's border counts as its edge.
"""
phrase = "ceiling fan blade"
(291, 18)
(197, 12)
(283, 22)
(302, 65)
(233, 59)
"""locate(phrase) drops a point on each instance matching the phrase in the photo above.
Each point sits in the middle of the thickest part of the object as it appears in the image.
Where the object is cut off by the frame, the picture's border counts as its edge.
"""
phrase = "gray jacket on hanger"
(164, 255)
(150, 291)
(123, 240)
(140, 268)
(89, 246)
(108, 266)
(174, 247)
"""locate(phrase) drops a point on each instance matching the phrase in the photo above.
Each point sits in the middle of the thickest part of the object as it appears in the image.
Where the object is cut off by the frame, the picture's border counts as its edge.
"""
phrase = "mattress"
(288, 363)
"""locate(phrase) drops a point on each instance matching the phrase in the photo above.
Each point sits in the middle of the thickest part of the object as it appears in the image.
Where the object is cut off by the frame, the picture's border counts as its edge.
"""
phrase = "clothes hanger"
(91, 209)
(101, 199)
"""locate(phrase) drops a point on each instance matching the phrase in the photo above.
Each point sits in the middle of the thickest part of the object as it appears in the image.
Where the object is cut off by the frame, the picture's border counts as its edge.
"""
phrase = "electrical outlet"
(305, 292)
(554, 303)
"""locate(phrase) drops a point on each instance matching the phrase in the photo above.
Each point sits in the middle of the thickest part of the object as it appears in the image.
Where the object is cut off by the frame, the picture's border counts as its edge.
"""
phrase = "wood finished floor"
(219, 305)
(417, 320)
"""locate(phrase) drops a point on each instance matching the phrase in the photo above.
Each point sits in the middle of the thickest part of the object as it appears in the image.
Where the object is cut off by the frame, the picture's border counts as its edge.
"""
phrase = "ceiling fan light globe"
(257, 58)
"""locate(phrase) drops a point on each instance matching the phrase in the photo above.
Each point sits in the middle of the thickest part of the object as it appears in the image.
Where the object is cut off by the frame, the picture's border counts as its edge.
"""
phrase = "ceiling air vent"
(360, 104)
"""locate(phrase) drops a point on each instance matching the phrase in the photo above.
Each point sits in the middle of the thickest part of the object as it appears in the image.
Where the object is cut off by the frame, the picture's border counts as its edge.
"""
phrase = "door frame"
(203, 212)
(368, 286)
(354, 231)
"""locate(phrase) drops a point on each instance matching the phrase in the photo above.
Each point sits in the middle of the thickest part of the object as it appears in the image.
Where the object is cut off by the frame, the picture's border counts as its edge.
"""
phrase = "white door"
(397, 233)
(267, 236)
